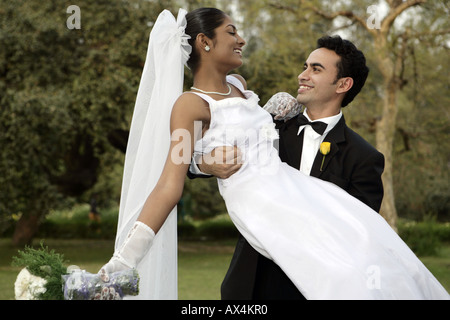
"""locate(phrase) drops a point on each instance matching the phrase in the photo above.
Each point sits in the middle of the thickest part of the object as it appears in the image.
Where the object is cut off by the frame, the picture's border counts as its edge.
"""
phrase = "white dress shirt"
(312, 140)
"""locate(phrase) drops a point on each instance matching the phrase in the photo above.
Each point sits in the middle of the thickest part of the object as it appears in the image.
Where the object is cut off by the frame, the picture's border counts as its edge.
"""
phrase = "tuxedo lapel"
(291, 144)
(335, 136)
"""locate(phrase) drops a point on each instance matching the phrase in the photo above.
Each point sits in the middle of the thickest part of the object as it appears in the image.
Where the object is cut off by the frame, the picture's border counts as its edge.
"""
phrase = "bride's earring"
(207, 48)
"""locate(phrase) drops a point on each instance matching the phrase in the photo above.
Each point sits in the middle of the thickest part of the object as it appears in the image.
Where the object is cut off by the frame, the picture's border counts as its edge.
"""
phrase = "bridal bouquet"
(81, 285)
(45, 277)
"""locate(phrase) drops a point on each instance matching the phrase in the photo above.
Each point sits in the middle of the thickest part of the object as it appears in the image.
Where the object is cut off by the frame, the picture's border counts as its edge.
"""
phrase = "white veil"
(148, 146)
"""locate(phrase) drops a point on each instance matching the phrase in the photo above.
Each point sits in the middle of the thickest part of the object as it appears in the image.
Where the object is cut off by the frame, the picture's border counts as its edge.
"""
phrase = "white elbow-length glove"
(283, 106)
(134, 248)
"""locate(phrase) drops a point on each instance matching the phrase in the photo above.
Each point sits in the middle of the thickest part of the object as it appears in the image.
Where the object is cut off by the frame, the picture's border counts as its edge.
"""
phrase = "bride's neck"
(210, 81)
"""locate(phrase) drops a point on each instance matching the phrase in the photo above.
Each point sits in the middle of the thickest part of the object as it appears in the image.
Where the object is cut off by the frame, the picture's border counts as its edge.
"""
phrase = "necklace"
(212, 92)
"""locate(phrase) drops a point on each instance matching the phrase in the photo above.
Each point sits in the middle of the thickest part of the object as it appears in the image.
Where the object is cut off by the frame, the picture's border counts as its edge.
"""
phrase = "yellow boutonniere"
(324, 149)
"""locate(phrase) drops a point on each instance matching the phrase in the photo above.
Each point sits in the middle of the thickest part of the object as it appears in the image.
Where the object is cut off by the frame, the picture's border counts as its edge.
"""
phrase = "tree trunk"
(26, 228)
(386, 127)
(385, 141)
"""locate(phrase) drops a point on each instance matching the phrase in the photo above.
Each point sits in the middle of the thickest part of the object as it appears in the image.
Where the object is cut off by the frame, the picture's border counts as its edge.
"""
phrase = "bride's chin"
(234, 64)
(241, 62)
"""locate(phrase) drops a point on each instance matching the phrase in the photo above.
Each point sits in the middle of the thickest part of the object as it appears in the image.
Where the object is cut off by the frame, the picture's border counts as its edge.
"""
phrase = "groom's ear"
(344, 84)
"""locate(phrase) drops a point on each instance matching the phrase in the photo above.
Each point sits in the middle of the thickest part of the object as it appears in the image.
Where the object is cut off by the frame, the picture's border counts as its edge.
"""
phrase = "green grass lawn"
(202, 265)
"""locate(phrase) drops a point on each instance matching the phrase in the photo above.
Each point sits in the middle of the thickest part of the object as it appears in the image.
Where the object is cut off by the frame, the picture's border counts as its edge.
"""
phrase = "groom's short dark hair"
(352, 64)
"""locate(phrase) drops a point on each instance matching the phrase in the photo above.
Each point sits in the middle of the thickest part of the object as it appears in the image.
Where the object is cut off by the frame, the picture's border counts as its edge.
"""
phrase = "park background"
(67, 92)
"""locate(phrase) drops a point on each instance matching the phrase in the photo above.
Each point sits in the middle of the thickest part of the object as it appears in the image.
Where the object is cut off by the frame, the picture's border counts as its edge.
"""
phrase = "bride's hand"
(222, 162)
(283, 106)
(133, 249)
(114, 265)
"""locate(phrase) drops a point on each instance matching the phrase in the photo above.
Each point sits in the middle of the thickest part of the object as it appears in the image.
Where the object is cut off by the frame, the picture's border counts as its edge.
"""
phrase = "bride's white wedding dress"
(331, 245)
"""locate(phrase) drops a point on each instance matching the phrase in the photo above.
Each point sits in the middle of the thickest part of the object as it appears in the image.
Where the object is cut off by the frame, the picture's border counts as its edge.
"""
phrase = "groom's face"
(317, 82)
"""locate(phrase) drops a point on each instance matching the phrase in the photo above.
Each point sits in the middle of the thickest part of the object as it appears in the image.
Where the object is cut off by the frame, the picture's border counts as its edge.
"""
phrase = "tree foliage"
(67, 95)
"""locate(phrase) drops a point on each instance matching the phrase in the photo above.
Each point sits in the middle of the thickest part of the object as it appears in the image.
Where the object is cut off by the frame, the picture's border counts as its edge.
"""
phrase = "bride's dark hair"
(202, 20)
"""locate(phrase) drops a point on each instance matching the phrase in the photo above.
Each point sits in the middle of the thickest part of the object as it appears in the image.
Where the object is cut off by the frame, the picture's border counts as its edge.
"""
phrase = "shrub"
(75, 223)
(217, 229)
(186, 230)
(426, 237)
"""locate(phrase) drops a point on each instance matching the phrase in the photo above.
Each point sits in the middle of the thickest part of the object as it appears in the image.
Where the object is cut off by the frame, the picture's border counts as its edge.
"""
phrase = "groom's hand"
(222, 162)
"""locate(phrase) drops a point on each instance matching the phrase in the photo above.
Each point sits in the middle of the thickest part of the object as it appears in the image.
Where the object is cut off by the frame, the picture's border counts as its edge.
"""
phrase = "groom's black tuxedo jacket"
(352, 164)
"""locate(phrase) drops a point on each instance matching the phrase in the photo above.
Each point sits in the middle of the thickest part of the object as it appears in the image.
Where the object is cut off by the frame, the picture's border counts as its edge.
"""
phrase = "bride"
(346, 250)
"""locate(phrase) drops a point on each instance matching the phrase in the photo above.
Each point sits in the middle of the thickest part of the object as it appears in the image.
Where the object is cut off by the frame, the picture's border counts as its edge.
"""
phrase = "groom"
(333, 75)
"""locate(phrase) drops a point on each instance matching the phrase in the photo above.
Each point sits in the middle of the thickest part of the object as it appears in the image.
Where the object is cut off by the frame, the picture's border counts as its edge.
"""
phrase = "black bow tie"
(318, 126)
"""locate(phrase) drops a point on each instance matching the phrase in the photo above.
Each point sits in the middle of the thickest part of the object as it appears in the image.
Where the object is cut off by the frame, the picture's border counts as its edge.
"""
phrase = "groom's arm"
(195, 171)
(367, 184)
(282, 106)
(222, 163)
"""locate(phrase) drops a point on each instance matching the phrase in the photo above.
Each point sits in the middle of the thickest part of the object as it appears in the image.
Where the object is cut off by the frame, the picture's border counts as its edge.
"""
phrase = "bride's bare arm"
(187, 110)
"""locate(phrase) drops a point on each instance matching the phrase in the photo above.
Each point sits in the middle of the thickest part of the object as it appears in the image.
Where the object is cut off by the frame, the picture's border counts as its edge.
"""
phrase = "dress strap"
(235, 82)
(204, 97)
